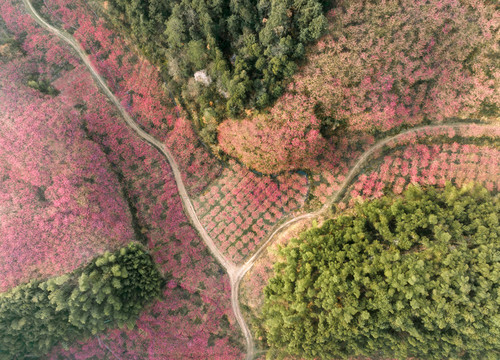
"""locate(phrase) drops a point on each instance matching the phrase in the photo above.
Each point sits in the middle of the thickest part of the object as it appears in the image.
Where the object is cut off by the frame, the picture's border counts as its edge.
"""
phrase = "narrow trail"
(229, 266)
(243, 269)
(186, 201)
(235, 273)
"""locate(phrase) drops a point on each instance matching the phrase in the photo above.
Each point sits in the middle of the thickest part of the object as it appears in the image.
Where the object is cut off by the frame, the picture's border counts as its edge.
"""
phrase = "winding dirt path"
(236, 273)
(243, 269)
(229, 266)
(186, 201)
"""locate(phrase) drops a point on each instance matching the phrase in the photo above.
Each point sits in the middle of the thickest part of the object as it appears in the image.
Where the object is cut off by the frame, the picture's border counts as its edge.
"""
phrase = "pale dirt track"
(243, 269)
(235, 273)
(186, 201)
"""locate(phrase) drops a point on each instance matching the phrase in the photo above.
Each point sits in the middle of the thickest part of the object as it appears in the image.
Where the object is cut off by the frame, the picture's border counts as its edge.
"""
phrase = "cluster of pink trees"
(335, 162)
(60, 201)
(381, 66)
(193, 319)
(343, 153)
(174, 244)
(400, 62)
(162, 333)
(138, 85)
(240, 208)
(199, 166)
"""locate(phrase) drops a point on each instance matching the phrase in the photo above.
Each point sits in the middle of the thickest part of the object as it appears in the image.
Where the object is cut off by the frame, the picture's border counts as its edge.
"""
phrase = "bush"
(42, 85)
(414, 276)
(109, 291)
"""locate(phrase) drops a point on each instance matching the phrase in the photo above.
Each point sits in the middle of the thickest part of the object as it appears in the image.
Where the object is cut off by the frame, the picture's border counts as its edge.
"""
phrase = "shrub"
(109, 291)
(413, 276)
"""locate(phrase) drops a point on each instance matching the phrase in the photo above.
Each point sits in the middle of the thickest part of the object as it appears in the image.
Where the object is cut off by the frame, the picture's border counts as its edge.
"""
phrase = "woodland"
(411, 276)
(111, 291)
(247, 49)
(197, 179)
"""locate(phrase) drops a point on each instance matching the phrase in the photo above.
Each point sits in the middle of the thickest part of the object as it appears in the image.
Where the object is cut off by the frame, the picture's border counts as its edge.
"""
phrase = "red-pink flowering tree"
(286, 139)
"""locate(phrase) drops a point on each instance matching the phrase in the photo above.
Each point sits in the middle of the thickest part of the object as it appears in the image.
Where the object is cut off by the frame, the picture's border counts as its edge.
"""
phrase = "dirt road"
(236, 273)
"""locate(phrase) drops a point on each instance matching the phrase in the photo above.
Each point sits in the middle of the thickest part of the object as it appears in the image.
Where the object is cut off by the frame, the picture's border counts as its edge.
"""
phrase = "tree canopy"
(247, 48)
(412, 276)
(109, 291)
(292, 142)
